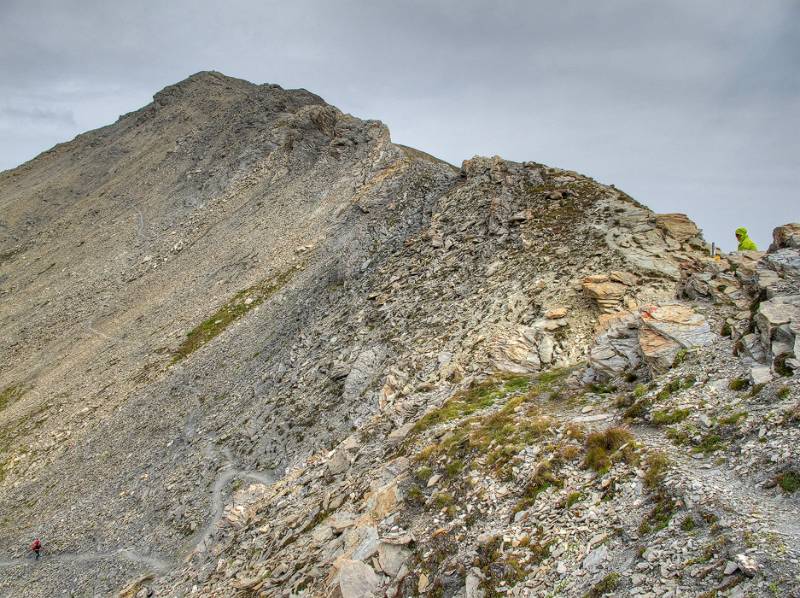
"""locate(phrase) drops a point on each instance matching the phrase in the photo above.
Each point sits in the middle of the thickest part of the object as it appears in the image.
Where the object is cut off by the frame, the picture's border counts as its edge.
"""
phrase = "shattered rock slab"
(668, 328)
(680, 323)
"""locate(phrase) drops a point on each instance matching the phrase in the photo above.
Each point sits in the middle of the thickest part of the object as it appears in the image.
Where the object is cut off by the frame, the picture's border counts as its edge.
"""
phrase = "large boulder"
(616, 351)
(606, 292)
(526, 349)
(786, 236)
(677, 226)
(392, 557)
(356, 579)
(778, 323)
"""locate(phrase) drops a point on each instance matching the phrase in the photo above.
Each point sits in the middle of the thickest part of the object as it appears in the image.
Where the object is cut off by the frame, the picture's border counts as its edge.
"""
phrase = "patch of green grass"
(423, 474)
(639, 391)
(572, 498)
(454, 468)
(733, 419)
(543, 478)
(656, 468)
(10, 394)
(516, 384)
(663, 418)
(688, 523)
(710, 443)
(678, 436)
(674, 386)
(638, 409)
(783, 392)
(240, 304)
(739, 384)
(709, 552)
(606, 447)
(605, 586)
(443, 499)
(789, 481)
(553, 375)
(414, 495)
(479, 396)
(779, 364)
(602, 389)
(500, 436)
(680, 357)
(726, 330)
(659, 516)
(499, 570)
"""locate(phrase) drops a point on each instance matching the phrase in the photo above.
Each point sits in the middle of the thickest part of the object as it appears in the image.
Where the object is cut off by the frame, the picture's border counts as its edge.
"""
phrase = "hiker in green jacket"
(745, 242)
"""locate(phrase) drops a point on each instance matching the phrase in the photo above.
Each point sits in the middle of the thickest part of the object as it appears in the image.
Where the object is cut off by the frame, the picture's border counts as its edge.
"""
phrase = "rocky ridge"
(303, 360)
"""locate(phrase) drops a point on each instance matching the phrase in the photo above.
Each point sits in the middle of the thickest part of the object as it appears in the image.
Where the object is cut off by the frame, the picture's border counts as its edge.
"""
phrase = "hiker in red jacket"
(36, 547)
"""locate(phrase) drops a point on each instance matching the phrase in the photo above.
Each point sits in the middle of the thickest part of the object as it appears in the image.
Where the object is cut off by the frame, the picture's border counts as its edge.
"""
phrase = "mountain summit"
(253, 347)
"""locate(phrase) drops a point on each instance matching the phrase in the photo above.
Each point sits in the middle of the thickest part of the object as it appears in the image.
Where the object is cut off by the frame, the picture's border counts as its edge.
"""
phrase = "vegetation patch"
(499, 570)
(241, 303)
(637, 409)
(423, 474)
(656, 469)
(605, 448)
(662, 418)
(497, 437)
(680, 357)
(414, 496)
(789, 481)
(739, 384)
(659, 516)
(681, 436)
(602, 389)
(780, 366)
(605, 586)
(733, 419)
(10, 394)
(543, 478)
(478, 396)
(710, 443)
(688, 523)
(674, 386)
(572, 498)
(664, 505)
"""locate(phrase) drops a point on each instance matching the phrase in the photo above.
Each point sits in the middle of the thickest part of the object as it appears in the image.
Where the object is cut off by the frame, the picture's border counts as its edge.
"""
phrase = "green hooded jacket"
(745, 242)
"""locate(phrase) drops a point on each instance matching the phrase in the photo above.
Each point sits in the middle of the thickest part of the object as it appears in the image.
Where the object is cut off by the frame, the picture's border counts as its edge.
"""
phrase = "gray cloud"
(16, 115)
(687, 106)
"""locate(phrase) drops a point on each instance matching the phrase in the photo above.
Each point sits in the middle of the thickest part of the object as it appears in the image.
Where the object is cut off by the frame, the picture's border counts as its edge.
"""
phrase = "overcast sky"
(688, 106)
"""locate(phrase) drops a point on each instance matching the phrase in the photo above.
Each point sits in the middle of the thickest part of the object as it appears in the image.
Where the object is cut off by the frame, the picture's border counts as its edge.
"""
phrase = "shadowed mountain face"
(203, 299)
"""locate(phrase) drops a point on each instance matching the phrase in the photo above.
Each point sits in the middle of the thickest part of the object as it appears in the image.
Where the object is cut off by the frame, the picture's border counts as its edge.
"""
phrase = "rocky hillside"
(253, 347)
